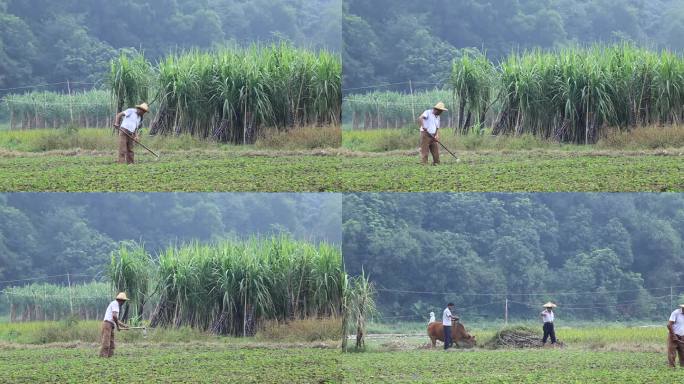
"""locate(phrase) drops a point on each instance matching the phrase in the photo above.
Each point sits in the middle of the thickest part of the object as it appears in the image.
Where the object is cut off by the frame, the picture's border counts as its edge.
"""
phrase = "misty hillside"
(620, 253)
(54, 234)
(45, 41)
(411, 40)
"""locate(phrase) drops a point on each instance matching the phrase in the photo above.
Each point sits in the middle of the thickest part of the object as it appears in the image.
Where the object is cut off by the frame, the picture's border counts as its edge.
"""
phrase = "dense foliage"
(596, 255)
(230, 93)
(411, 40)
(55, 41)
(232, 285)
(44, 302)
(41, 109)
(568, 95)
(55, 234)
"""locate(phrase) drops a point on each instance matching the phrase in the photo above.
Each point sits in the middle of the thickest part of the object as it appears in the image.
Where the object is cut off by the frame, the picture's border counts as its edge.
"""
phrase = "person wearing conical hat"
(129, 123)
(675, 341)
(429, 133)
(111, 321)
(548, 317)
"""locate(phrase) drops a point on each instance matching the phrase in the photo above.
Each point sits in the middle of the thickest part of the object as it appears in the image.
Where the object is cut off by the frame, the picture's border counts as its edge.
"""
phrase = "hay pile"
(517, 337)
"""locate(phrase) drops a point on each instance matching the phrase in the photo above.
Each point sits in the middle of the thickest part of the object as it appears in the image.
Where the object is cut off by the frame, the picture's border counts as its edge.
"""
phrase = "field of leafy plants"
(516, 171)
(332, 171)
(508, 366)
(165, 363)
(177, 171)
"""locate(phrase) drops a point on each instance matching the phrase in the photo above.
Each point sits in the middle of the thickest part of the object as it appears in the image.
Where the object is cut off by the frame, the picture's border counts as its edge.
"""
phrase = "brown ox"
(459, 336)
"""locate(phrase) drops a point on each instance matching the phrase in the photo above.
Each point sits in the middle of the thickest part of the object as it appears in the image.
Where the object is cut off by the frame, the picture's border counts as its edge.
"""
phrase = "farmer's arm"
(670, 324)
(420, 120)
(117, 119)
(119, 325)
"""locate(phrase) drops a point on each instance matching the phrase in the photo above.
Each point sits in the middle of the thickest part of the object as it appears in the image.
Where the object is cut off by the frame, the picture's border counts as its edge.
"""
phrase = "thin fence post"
(506, 313)
(413, 110)
(71, 107)
(71, 301)
(244, 318)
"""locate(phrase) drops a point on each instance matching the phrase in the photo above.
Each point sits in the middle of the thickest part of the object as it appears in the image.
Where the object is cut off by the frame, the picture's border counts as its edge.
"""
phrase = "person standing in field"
(675, 342)
(547, 317)
(429, 133)
(447, 319)
(128, 123)
(111, 321)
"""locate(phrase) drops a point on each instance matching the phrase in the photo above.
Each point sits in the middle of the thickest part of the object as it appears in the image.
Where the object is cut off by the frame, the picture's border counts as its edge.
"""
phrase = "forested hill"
(54, 234)
(55, 41)
(397, 40)
(595, 250)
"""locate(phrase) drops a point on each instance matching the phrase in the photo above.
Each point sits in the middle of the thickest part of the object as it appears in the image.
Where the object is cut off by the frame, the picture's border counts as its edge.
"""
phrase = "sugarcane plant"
(386, 109)
(130, 271)
(358, 307)
(52, 302)
(234, 285)
(230, 93)
(34, 110)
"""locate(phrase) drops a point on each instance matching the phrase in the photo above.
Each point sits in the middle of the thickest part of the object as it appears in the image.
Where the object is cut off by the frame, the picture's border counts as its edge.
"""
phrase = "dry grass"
(301, 138)
(309, 330)
(652, 137)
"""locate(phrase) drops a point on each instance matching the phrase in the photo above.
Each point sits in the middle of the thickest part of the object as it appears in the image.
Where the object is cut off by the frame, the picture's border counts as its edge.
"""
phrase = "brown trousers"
(108, 345)
(126, 144)
(673, 348)
(428, 145)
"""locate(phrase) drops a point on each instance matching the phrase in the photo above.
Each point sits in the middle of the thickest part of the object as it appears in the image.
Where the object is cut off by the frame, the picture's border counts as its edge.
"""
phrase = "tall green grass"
(131, 272)
(572, 95)
(383, 109)
(41, 302)
(231, 93)
(233, 286)
(57, 110)
(131, 80)
(472, 80)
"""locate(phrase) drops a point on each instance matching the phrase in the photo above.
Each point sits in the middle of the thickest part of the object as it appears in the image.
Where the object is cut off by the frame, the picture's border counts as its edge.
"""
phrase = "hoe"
(443, 146)
(133, 138)
(144, 330)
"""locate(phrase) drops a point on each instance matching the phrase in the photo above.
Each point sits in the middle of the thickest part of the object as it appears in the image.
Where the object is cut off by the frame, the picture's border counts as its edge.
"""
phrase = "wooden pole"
(71, 301)
(413, 110)
(506, 313)
(244, 317)
(71, 107)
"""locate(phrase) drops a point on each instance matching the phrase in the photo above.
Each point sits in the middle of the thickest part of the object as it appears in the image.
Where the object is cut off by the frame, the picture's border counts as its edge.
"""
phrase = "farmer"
(675, 342)
(547, 317)
(128, 130)
(111, 320)
(447, 318)
(429, 133)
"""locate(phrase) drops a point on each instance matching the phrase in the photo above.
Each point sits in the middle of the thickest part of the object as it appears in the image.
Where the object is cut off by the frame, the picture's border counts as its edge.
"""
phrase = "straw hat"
(550, 305)
(144, 107)
(440, 106)
(122, 296)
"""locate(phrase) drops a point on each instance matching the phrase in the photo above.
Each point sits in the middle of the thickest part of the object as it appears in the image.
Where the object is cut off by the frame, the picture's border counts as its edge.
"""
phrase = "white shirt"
(547, 316)
(446, 317)
(430, 122)
(131, 120)
(111, 309)
(678, 317)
